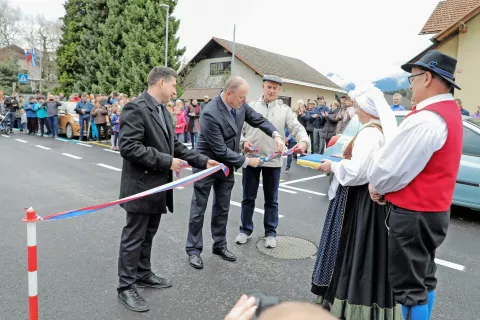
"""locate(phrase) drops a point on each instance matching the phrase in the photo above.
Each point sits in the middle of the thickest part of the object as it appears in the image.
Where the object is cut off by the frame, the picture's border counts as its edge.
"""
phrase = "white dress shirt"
(419, 136)
(354, 172)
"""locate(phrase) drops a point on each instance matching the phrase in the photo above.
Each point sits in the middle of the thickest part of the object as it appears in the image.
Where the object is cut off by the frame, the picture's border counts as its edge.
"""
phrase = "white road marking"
(113, 151)
(42, 147)
(303, 179)
(4, 135)
(280, 189)
(238, 204)
(83, 144)
(22, 141)
(180, 188)
(108, 167)
(305, 190)
(450, 264)
(71, 156)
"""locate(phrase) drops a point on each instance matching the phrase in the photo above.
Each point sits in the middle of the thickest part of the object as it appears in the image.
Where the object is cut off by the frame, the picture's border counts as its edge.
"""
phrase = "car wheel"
(69, 131)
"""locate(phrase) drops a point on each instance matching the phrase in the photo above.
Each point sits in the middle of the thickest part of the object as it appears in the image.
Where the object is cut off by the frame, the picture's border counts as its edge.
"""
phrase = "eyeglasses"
(410, 79)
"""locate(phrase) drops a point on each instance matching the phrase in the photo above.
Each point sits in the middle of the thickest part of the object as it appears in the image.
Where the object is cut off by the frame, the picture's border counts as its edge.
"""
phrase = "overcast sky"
(358, 40)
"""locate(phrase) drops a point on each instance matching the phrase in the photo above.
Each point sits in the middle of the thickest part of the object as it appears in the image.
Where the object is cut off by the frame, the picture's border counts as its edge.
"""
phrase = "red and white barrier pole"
(31, 221)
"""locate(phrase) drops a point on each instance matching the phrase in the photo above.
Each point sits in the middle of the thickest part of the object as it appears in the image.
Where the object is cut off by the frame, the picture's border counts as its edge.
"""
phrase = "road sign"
(23, 78)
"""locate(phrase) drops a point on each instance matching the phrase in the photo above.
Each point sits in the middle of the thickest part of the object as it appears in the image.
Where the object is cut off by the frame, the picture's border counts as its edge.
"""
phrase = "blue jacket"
(465, 112)
(41, 111)
(289, 138)
(31, 109)
(83, 105)
(319, 122)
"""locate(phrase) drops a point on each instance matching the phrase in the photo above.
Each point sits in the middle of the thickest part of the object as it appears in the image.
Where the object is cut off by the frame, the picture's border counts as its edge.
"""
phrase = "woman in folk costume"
(351, 275)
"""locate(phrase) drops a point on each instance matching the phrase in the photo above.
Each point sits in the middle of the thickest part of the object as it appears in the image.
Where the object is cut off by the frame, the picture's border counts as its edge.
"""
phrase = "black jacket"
(330, 126)
(147, 149)
(11, 104)
(219, 137)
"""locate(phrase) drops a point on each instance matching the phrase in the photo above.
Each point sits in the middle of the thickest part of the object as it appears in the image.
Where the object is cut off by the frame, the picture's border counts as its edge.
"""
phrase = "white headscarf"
(371, 100)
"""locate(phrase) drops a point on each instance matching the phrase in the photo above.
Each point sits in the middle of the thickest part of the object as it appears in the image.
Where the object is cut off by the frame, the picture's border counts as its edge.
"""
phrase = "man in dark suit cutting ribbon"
(219, 139)
(150, 152)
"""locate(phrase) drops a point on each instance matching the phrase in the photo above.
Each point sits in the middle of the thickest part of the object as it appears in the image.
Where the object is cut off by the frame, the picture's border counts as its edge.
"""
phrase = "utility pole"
(233, 50)
(163, 5)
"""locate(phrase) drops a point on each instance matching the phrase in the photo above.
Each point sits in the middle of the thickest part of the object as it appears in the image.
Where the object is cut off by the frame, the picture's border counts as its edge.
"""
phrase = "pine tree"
(69, 66)
(133, 42)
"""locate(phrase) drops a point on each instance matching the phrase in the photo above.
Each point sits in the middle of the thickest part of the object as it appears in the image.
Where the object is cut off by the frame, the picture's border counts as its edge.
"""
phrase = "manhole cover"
(289, 248)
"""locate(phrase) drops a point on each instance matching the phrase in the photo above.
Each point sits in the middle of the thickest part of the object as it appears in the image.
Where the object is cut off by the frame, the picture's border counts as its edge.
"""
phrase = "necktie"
(234, 115)
(162, 117)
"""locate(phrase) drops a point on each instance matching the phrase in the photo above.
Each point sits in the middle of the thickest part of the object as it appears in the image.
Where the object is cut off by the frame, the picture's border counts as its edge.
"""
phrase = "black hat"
(438, 63)
(272, 78)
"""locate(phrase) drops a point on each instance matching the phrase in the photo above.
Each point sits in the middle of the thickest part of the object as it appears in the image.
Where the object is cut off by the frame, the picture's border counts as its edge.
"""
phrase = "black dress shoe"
(153, 281)
(132, 300)
(225, 254)
(195, 261)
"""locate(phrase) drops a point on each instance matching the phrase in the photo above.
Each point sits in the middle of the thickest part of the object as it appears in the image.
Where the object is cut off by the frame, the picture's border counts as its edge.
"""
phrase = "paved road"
(77, 257)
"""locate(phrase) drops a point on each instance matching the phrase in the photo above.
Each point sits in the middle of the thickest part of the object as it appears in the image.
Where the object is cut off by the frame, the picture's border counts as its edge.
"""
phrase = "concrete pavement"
(77, 257)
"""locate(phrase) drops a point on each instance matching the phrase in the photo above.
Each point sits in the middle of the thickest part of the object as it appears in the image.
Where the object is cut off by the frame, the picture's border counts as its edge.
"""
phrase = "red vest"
(432, 189)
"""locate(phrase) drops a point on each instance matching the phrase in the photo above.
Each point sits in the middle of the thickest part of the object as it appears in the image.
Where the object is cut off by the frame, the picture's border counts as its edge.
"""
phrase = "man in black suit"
(150, 152)
(219, 139)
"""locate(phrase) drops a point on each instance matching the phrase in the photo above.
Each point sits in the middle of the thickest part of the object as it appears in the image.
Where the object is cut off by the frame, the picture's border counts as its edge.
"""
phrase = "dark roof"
(266, 62)
(448, 12)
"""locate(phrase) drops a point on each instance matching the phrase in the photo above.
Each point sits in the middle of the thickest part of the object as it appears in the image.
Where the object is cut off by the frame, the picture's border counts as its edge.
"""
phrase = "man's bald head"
(296, 311)
(235, 92)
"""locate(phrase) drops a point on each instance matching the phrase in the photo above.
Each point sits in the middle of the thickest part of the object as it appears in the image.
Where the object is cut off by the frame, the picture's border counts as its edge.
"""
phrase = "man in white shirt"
(410, 175)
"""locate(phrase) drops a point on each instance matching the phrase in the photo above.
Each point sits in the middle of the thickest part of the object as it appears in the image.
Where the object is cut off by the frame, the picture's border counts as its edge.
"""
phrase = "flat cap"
(272, 78)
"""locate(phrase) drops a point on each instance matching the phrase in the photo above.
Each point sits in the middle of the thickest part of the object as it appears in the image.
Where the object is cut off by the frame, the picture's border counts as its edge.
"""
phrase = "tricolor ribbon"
(276, 155)
(177, 183)
(184, 165)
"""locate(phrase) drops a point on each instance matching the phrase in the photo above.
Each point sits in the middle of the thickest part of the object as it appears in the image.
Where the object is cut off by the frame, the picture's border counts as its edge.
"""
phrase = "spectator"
(193, 126)
(31, 113)
(83, 108)
(11, 104)
(350, 108)
(62, 97)
(463, 111)
(42, 116)
(343, 116)
(330, 127)
(308, 118)
(38, 94)
(318, 123)
(397, 99)
(76, 97)
(186, 136)
(206, 100)
(180, 123)
(342, 100)
(171, 110)
(475, 115)
(2, 102)
(52, 113)
(290, 143)
(99, 115)
(300, 111)
(115, 123)
(23, 120)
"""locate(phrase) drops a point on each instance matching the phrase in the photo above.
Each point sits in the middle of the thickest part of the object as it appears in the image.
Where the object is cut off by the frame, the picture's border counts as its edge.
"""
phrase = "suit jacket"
(148, 148)
(219, 137)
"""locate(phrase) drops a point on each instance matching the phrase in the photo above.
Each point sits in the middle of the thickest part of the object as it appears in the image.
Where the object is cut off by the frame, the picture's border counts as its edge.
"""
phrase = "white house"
(207, 72)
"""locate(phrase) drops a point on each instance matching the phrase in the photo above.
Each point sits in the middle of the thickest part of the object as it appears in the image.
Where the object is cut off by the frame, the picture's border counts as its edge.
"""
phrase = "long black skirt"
(355, 238)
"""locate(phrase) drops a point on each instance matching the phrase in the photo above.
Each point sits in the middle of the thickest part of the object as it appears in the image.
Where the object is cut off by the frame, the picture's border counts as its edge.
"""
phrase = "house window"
(217, 68)
(286, 100)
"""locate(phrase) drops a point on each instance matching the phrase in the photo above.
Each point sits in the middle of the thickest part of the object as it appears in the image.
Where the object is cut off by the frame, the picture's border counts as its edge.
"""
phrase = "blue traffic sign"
(23, 78)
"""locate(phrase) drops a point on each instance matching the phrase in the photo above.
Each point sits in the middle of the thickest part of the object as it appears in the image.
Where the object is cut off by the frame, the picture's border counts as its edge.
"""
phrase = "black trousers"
(105, 132)
(32, 125)
(136, 248)
(412, 240)
(222, 191)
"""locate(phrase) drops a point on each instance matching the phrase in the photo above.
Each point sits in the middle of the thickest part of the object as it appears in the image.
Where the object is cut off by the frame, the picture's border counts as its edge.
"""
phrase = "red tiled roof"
(447, 13)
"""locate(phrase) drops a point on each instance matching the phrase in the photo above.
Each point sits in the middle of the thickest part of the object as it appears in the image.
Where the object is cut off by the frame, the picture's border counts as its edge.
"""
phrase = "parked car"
(69, 123)
(467, 189)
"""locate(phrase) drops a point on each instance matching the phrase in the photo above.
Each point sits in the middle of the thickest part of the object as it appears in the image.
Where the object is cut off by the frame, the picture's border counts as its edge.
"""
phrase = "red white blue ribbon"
(177, 183)
(276, 155)
(184, 165)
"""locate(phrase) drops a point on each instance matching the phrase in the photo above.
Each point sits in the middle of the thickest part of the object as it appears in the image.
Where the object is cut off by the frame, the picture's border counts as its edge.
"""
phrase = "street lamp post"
(163, 5)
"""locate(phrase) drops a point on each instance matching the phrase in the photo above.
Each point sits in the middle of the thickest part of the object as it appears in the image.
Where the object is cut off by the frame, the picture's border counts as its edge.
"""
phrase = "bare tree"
(44, 35)
(10, 23)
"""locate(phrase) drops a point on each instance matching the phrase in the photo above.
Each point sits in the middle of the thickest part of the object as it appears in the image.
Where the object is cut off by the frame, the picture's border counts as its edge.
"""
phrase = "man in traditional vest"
(416, 176)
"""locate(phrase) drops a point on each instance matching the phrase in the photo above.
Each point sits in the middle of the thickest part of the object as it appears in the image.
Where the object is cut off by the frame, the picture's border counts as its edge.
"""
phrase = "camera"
(263, 302)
